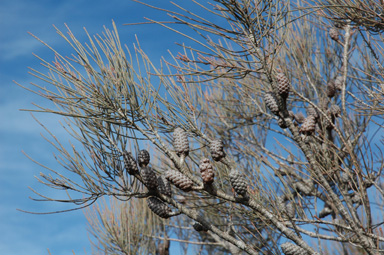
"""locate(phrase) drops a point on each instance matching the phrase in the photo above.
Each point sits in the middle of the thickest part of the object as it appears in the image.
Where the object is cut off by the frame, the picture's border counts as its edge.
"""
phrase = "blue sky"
(30, 234)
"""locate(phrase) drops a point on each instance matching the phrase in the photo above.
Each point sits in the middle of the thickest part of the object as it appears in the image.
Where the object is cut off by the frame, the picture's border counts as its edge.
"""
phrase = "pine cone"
(344, 178)
(292, 249)
(283, 85)
(334, 34)
(143, 158)
(180, 142)
(280, 202)
(308, 125)
(164, 186)
(335, 110)
(281, 122)
(290, 210)
(217, 150)
(331, 89)
(198, 227)
(304, 188)
(149, 178)
(339, 82)
(160, 208)
(206, 171)
(271, 102)
(313, 111)
(179, 180)
(130, 163)
(299, 117)
(328, 124)
(238, 182)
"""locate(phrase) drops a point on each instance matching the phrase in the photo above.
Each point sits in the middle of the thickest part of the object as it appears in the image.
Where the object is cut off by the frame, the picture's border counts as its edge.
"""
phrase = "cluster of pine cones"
(150, 180)
(162, 183)
(276, 103)
(181, 146)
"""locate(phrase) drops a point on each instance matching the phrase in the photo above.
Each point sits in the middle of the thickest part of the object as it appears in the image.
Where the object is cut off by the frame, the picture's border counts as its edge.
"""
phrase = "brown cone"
(283, 85)
(271, 102)
(149, 178)
(179, 180)
(143, 158)
(206, 171)
(130, 163)
(180, 142)
(217, 150)
(238, 182)
(309, 125)
(160, 208)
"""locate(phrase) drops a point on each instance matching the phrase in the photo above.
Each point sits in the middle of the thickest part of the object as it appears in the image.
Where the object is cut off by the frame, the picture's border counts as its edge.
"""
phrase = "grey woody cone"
(143, 158)
(271, 102)
(198, 227)
(281, 122)
(179, 180)
(304, 188)
(180, 142)
(160, 208)
(130, 163)
(238, 182)
(164, 187)
(217, 150)
(339, 82)
(344, 178)
(206, 171)
(292, 249)
(290, 209)
(149, 178)
(327, 123)
(313, 111)
(331, 88)
(334, 33)
(335, 110)
(280, 202)
(299, 117)
(283, 85)
(308, 125)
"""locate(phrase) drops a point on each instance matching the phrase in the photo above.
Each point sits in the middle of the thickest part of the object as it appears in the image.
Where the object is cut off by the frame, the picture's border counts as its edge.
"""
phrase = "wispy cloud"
(17, 18)
(17, 48)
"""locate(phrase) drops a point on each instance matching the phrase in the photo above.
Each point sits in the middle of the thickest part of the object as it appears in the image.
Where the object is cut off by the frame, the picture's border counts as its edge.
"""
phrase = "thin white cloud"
(22, 16)
(18, 48)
